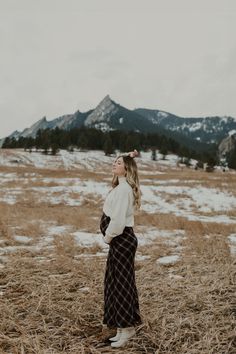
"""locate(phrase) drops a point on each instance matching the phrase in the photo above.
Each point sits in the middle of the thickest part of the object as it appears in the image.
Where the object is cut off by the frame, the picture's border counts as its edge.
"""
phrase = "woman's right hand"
(133, 153)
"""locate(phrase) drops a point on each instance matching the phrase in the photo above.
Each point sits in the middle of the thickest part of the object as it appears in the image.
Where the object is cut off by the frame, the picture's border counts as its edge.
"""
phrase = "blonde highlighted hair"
(131, 174)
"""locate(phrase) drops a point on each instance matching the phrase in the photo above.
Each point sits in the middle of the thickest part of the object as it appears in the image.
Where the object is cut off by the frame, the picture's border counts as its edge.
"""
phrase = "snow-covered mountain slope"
(205, 130)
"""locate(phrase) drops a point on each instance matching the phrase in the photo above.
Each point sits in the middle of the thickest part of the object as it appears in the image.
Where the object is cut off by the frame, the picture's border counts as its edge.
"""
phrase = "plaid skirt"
(121, 305)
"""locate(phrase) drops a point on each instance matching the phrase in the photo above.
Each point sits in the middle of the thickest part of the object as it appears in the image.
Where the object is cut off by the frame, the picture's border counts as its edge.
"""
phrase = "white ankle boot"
(117, 336)
(126, 334)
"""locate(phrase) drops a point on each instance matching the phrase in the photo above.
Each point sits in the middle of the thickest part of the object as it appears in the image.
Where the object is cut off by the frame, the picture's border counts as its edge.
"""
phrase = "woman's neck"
(122, 179)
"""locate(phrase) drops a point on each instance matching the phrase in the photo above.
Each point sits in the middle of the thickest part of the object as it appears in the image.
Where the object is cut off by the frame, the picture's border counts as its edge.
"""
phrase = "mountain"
(65, 122)
(206, 130)
(227, 144)
(197, 133)
(109, 115)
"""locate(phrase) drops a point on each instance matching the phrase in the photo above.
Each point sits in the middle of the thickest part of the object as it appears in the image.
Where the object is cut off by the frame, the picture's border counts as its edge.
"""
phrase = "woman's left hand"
(107, 239)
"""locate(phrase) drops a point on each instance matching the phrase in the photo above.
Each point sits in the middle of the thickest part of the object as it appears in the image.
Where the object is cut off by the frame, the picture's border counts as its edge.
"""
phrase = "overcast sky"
(58, 56)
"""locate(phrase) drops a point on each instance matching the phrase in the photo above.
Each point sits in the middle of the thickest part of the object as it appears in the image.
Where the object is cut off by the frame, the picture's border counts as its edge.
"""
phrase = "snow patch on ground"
(42, 244)
(22, 239)
(77, 159)
(232, 244)
(64, 159)
(186, 200)
(147, 172)
(57, 230)
(140, 257)
(158, 182)
(59, 194)
(148, 236)
(87, 239)
(168, 259)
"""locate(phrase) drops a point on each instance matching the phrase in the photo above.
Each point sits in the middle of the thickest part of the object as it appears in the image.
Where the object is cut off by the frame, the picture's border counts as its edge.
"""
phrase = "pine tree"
(6, 143)
(29, 143)
(107, 147)
(82, 141)
(154, 154)
(55, 148)
(38, 140)
(163, 151)
(131, 143)
(45, 141)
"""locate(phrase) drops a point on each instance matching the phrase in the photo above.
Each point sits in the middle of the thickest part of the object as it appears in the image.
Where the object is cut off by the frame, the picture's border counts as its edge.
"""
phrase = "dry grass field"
(51, 284)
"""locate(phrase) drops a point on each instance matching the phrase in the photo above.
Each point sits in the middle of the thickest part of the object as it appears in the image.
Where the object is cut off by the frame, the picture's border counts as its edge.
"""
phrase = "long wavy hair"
(131, 174)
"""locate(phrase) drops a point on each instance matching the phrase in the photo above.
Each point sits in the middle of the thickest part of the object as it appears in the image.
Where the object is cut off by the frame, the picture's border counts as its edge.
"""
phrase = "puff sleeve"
(119, 210)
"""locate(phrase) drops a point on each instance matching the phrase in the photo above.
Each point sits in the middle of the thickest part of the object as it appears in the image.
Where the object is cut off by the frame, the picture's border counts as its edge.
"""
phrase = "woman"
(121, 306)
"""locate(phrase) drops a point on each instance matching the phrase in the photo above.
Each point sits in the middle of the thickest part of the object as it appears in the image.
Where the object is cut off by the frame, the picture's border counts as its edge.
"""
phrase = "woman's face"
(118, 167)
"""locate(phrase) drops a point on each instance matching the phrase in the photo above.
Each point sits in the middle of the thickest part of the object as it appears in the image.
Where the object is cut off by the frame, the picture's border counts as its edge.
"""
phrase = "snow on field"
(22, 239)
(171, 238)
(5, 177)
(147, 172)
(232, 243)
(24, 246)
(87, 239)
(183, 201)
(64, 159)
(147, 236)
(18, 157)
(168, 259)
(60, 193)
(57, 230)
(77, 159)
(88, 160)
(170, 159)
(186, 200)
(193, 202)
(10, 195)
(146, 180)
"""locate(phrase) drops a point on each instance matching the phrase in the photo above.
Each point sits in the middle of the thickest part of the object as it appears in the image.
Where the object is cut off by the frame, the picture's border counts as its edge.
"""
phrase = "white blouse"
(119, 207)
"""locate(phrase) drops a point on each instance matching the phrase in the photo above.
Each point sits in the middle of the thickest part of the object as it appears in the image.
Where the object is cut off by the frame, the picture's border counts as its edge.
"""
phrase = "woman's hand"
(107, 239)
(133, 153)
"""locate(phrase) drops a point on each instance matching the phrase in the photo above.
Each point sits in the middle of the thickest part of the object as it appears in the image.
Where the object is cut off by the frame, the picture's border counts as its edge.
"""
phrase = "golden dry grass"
(56, 306)
(51, 298)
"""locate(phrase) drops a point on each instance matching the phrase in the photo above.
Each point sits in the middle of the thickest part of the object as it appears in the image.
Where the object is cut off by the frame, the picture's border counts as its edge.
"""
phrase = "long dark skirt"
(121, 306)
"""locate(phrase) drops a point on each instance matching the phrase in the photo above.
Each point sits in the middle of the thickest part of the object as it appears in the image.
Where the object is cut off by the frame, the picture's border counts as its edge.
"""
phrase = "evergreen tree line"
(92, 139)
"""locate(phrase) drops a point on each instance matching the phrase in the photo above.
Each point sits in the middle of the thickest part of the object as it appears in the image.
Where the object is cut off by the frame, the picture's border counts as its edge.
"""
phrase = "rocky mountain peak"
(40, 124)
(227, 144)
(15, 133)
(103, 112)
(105, 100)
